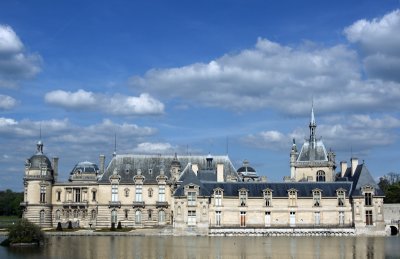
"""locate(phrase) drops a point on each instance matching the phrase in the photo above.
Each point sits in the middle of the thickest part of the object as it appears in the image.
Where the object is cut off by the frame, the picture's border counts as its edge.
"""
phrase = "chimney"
(343, 168)
(102, 161)
(195, 168)
(220, 173)
(55, 168)
(354, 164)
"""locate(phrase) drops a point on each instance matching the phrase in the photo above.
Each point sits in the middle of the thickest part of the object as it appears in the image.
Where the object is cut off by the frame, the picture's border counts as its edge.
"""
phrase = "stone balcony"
(138, 204)
(72, 204)
(114, 204)
(161, 204)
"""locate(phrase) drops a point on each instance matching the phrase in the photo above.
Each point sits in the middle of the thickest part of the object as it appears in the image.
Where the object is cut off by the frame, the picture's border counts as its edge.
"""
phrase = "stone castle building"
(206, 194)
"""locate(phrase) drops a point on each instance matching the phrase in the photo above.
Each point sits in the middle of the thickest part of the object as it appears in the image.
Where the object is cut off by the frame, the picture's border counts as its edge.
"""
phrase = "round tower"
(38, 182)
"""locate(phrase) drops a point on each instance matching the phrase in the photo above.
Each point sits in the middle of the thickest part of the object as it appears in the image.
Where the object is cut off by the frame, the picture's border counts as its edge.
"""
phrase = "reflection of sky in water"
(210, 247)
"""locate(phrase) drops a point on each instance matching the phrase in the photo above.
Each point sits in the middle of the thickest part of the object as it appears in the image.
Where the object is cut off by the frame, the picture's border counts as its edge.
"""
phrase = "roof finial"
(115, 144)
(313, 125)
(39, 145)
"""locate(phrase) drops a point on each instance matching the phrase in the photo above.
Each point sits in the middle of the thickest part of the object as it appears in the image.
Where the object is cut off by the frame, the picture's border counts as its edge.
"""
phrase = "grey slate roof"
(255, 189)
(361, 178)
(313, 153)
(128, 165)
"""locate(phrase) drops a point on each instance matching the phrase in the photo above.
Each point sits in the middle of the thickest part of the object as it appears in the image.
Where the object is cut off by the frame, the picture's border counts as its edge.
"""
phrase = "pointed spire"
(115, 144)
(312, 126)
(39, 145)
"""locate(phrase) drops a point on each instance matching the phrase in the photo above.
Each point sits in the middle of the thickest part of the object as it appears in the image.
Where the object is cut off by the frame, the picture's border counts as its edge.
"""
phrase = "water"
(209, 247)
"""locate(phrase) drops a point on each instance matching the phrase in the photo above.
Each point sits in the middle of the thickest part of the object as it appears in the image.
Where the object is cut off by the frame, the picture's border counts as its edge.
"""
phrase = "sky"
(235, 77)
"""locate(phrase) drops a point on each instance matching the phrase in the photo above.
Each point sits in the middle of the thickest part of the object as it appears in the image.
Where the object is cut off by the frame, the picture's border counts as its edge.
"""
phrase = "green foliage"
(390, 185)
(9, 203)
(25, 232)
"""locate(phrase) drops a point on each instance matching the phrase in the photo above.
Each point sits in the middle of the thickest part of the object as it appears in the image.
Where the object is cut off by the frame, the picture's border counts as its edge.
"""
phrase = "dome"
(85, 167)
(39, 160)
(246, 169)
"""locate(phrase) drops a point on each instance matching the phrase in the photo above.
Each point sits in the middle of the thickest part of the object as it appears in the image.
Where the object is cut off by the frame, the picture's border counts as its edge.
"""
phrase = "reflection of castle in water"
(207, 195)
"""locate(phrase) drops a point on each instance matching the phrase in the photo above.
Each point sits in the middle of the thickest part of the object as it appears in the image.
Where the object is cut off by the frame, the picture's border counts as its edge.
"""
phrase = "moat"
(209, 247)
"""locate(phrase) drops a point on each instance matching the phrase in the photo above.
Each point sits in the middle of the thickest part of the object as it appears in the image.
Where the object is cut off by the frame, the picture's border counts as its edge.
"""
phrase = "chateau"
(207, 195)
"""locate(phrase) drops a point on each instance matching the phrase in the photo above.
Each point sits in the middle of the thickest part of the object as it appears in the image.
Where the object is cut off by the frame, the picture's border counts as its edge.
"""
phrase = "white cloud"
(154, 148)
(271, 75)
(117, 104)
(7, 102)
(15, 63)
(360, 132)
(71, 100)
(379, 40)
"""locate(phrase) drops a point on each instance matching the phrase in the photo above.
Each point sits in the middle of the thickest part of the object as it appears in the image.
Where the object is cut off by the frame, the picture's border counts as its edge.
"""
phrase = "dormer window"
(368, 199)
(292, 193)
(341, 197)
(268, 197)
(150, 171)
(243, 197)
(218, 197)
(191, 197)
(316, 198)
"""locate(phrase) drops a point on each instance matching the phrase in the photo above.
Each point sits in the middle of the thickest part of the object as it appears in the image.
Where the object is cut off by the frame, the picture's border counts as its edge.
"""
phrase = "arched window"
(114, 216)
(320, 176)
(138, 217)
(58, 215)
(41, 216)
(93, 216)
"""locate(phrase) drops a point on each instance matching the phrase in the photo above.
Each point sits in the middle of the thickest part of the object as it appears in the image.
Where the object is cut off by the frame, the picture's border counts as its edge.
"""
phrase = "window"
(138, 217)
(341, 218)
(150, 192)
(58, 214)
(320, 176)
(317, 218)
(191, 196)
(126, 214)
(316, 198)
(368, 199)
(93, 195)
(341, 198)
(114, 192)
(138, 196)
(368, 218)
(161, 216)
(161, 193)
(41, 216)
(150, 171)
(218, 218)
(149, 213)
(268, 198)
(218, 198)
(114, 216)
(292, 197)
(191, 218)
(267, 218)
(77, 195)
(58, 195)
(93, 215)
(242, 218)
(292, 219)
(42, 194)
(242, 197)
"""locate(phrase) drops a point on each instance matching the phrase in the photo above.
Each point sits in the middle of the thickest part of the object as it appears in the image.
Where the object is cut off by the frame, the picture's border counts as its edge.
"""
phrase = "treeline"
(390, 185)
(9, 203)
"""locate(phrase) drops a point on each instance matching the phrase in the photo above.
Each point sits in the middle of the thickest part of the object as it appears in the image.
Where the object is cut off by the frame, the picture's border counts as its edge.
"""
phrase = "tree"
(390, 185)
(25, 232)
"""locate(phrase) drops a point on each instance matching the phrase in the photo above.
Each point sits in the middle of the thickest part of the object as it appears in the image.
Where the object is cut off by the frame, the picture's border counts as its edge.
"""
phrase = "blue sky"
(192, 76)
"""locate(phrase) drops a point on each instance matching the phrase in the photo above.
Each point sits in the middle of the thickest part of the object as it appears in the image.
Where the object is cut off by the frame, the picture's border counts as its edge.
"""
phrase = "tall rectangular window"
(316, 198)
(317, 218)
(77, 195)
(292, 198)
(368, 218)
(42, 194)
(161, 193)
(292, 219)
(218, 218)
(341, 218)
(114, 192)
(341, 198)
(138, 193)
(218, 198)
(267, 218)
(191, 218)
(93, 195)
(242, 218)
(58, 195)
(368, 199)
(268, 198)
(243, 198)
(191, 198)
